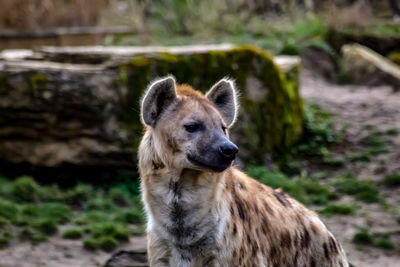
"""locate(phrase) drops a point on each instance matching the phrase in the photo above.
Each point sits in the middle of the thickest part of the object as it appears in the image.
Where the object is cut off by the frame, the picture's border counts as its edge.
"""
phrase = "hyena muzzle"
(201, 210)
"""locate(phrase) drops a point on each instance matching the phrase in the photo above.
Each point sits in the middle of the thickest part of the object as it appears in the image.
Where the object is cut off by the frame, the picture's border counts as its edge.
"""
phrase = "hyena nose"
(228, 150)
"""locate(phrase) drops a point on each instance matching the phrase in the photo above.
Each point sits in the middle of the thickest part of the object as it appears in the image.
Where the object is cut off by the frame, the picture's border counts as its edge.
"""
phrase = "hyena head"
(189, 129)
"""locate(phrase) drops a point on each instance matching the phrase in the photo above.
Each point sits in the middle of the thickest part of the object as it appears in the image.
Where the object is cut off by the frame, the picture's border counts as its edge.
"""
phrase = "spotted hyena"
(201, 210)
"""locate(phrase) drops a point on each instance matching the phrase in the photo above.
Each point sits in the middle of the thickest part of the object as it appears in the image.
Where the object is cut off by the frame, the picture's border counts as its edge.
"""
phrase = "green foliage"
(75, 233)
(341, 209)
(49, 206)
(28, 233)
(89, 217)
(384, 243)
(58, 212)
(108, 243)
(364, 190)
(8, 210)
(119, 196)
(392, 131)
(378, 240)
(25, 189)
(5, 239)
(392, 180)
(79, 194)
(395, 57)
(91, 243)
(363, 238)
(305, 190)
(100, 203)
(318, 134)
(131, 215)
(46, 226)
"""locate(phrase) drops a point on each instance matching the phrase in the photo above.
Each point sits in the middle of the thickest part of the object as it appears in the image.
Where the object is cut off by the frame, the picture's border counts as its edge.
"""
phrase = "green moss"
(364, 190)
(78, 194)
(108, 243)
(37, 82)
(46, 226)
(32, 235)
(392, 131)
(341, 209)
(4, 222)
(392, 180)
(363, 238)
(25, 189)
(119, 196)
(5, 240)
(305, 190)
(75, 233)
(384, 243)
(50, 193)
(91, 244)
(100, 203)
(92, 217)
(122, 234)
(132, 215)
(273, 121)
(395, 58)
(8, 210)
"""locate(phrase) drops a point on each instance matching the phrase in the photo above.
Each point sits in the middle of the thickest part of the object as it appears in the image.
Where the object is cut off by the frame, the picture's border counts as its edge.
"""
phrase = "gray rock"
(77, 109)
(364, 66)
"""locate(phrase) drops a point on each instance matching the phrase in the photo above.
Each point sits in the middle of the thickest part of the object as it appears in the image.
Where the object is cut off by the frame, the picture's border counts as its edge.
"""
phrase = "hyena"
(201, 210)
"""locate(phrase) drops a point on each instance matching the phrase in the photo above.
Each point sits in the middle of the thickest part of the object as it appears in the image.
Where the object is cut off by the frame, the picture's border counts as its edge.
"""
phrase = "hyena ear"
(224, 97)
(158, 97)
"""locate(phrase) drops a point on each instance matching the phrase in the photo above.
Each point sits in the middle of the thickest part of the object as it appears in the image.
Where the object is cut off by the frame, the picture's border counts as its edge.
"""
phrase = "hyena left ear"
(158, 97)
(224, 97)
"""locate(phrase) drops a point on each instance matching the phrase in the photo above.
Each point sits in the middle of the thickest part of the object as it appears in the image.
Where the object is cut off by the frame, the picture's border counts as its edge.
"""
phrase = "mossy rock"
(271, 114)
(395, 58)
(383, 39)
(88, 115)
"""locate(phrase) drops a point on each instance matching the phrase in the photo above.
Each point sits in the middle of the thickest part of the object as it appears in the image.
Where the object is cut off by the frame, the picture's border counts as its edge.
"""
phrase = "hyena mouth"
(213, 167)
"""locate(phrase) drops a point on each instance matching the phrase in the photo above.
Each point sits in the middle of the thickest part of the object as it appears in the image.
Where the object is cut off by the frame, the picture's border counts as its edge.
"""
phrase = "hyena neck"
(182, 205)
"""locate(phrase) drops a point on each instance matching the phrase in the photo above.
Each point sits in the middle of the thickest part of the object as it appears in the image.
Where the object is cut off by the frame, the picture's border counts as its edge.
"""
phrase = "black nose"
(228, 150)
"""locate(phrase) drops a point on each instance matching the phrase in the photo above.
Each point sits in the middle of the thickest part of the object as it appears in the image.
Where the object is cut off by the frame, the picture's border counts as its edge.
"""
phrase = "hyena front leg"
(158, 251)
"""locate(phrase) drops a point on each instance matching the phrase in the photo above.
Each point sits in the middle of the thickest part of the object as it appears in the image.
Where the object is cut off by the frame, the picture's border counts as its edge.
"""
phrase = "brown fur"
(198, 217)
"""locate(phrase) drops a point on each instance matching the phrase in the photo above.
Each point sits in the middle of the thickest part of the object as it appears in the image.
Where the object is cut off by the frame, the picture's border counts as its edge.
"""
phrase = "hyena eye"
(191, 128)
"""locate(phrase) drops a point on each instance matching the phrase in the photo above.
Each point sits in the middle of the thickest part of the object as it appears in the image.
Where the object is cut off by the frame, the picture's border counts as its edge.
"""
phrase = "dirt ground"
(352, 106)
(358, 108)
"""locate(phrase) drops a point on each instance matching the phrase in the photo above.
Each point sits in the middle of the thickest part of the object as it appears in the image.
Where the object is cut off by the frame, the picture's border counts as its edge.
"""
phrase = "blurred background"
(320, 115)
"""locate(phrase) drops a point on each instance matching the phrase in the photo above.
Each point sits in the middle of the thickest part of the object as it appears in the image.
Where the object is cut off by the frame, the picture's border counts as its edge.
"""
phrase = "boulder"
(77, 109)
(363, 66)
(319, 62)
(374, 39)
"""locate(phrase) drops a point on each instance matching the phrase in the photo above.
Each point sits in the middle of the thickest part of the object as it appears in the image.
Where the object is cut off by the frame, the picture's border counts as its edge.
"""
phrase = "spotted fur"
(198, 217)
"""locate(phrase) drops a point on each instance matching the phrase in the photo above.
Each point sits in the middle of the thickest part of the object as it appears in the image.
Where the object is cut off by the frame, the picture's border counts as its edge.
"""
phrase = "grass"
(338, 209)
(99, 216)
(305, 190)
(363, 237)
(392, 180)
(384, 243)
(363, 190)
(318, 136)
(75, 233)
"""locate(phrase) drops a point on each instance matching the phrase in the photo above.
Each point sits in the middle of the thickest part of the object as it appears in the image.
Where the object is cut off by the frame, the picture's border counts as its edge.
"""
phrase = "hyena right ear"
(159, 95)
(224, 97)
